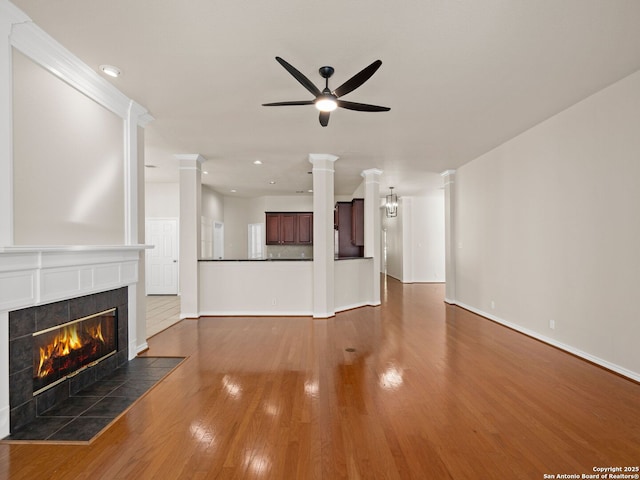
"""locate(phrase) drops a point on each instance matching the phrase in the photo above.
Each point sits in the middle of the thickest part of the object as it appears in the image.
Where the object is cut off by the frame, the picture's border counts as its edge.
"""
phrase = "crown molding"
(190, 157)
(12, 13)
(142, 116)
(314, 157)
(43, 49)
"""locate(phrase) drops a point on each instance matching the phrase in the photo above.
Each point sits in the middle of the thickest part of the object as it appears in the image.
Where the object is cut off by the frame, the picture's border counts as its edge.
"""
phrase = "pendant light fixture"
(392, 204)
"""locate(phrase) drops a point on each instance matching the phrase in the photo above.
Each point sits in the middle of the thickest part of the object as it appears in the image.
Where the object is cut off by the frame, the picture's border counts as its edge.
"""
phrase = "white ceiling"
(460, 76)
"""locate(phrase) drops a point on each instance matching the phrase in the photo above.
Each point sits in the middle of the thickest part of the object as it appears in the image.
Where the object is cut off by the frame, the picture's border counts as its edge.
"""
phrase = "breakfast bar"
(278, 287)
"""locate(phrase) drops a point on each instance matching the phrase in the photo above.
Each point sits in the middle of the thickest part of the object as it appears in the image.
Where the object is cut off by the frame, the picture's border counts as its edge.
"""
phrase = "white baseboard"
(142, 348)
(252, 313)
(343, 308)
(550, 341)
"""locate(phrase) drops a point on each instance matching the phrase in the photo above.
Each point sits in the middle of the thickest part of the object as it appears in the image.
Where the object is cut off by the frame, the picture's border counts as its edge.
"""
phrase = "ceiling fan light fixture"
(326, 103)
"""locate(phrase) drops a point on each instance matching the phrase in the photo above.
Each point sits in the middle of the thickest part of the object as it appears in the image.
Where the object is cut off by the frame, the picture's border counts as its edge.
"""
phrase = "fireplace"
(64, 351)
(58, 349)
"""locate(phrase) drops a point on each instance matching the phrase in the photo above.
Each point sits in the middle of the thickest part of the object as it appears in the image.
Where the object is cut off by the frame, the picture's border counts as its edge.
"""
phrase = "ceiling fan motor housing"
(326, 71)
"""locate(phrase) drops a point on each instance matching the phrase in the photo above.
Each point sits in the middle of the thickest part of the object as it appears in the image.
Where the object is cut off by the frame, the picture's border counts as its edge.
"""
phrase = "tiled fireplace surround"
(43, 286)
(23, 323)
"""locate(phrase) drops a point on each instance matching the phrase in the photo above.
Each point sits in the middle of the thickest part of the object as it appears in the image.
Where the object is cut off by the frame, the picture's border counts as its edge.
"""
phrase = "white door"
(162, 260)
(218, 240)
(256, 240)
(206, 238)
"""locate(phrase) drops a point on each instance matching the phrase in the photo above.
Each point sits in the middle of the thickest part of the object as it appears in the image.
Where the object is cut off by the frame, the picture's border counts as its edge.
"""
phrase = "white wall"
(415, 239)
(393, 228)
(288, 203)
(426, 241)
(548, 228)
(353, 283)
(68, 163)
(212, 204)
(237, 213)
(162, 200)
(256, 288)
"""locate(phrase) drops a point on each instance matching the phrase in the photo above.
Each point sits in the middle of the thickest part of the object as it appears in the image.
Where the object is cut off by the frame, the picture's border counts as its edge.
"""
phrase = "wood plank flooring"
(414, 389)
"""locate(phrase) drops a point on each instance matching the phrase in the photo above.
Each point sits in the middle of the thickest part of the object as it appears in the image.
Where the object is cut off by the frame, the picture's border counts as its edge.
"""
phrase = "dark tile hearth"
(83, 415)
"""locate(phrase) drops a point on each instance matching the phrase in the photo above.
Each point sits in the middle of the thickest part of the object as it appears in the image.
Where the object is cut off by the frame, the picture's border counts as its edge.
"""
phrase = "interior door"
(218, 240)
(162, 260)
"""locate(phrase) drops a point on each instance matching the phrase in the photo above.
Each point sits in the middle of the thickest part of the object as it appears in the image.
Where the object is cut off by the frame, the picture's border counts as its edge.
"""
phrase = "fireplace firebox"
(65, 350)
(98, 321)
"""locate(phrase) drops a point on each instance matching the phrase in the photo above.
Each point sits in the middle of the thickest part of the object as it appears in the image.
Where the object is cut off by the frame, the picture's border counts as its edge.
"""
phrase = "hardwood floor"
(414, 389)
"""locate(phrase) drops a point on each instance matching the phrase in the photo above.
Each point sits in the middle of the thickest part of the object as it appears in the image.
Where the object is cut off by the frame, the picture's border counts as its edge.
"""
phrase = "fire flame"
(67, 340)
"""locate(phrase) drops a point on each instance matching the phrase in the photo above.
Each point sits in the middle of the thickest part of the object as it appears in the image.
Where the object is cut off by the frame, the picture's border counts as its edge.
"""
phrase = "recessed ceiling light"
(257, 162)
(233, 190)
(205, 172)
(272, 182)
(310, 191)
(110, 70)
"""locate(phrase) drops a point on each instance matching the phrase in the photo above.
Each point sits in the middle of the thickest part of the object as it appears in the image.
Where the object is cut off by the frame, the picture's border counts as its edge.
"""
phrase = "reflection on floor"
(162, 312)
(82, 416)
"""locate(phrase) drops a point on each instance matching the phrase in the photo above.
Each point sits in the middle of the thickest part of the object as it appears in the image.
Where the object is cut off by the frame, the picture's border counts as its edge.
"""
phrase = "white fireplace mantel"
(34, 275)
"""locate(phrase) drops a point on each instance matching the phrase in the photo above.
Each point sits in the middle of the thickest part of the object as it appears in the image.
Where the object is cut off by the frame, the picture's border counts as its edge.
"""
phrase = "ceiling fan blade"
(357, 80)
(298, 102)
(361, 107)
(324, 118)
(304, 81)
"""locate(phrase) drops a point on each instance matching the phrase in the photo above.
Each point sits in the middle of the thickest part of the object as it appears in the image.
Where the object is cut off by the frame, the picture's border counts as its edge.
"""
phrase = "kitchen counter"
(352, 258)
(306, 259)
(279, 286)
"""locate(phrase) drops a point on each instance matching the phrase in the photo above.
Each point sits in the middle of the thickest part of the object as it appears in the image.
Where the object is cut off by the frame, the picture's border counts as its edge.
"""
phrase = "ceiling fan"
(326, 100)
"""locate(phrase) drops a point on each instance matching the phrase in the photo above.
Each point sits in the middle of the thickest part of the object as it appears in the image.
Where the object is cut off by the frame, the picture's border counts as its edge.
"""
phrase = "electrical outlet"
(493, 304)
(552, 324)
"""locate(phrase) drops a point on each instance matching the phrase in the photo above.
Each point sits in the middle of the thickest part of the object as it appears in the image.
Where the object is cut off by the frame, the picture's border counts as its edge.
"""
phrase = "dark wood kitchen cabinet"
(289, 228)
(357, 222)
(349, 222)
(305, 228)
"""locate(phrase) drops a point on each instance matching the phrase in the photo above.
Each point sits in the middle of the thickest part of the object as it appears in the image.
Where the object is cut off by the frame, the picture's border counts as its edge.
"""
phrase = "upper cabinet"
(305, 228)
(349, 222)
(289, 228)
(357, 222)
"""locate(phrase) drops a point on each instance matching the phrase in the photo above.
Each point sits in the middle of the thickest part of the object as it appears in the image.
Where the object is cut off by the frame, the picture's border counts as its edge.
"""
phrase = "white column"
(405, 217)
(137, 118)
(449, 177)
(9, 15)
(372, 227)
(190, 223)
(323, 234)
